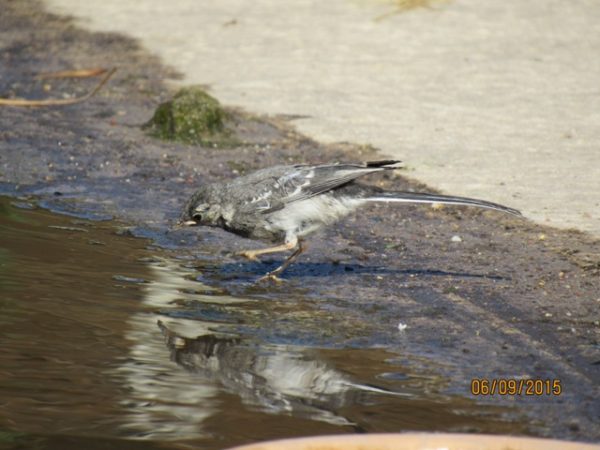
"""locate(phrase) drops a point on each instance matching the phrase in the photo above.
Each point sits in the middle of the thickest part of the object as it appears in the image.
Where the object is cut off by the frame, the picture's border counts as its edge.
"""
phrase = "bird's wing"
(303, 181)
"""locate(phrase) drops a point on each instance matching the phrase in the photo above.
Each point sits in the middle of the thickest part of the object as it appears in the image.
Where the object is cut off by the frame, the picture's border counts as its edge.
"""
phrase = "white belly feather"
(305, 216)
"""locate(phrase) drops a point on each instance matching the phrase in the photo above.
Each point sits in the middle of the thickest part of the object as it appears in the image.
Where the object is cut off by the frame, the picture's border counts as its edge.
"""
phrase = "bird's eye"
(197, 217)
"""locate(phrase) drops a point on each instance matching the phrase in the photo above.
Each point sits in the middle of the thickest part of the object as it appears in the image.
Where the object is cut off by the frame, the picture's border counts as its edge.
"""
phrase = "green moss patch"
(192, 117)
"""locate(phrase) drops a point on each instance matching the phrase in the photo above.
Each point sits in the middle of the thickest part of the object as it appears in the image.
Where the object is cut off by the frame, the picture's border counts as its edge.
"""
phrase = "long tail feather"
(417, 197)
(385, 164)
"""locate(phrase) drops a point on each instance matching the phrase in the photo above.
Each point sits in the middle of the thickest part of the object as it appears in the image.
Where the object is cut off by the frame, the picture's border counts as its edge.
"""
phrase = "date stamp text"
(514, 386)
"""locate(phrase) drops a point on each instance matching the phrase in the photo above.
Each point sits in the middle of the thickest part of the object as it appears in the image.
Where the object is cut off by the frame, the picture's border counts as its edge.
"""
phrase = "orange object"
(418, 441)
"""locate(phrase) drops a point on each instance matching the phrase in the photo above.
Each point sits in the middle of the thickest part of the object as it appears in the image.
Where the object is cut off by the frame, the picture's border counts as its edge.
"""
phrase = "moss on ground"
(192, 117)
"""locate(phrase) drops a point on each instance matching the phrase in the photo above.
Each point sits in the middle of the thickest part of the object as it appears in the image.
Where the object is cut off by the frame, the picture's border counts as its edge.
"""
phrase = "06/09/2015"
(513, 386)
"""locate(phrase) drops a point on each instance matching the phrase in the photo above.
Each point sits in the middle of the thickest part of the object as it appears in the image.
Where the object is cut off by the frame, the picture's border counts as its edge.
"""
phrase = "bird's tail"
(417, 197)
(385, 164)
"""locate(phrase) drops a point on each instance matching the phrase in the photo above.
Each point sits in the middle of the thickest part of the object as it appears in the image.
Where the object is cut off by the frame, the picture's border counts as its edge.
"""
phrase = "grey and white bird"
(284, 204)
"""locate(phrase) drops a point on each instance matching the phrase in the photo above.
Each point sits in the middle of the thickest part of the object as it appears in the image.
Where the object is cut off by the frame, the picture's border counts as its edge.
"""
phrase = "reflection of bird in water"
(279, 379)
(284, 204)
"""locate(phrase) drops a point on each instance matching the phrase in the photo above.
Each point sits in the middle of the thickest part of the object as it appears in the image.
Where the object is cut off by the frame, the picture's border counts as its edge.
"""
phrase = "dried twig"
(59, 101)
(81, 73)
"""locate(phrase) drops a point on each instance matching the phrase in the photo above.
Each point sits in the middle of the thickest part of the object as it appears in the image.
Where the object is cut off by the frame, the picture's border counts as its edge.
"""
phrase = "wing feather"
(303, 182)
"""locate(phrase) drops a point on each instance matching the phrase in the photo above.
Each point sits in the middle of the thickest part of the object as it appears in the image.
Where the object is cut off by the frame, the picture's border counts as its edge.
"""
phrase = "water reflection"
(103, 341)
(161, 403)
(201, 332)
(276, 379)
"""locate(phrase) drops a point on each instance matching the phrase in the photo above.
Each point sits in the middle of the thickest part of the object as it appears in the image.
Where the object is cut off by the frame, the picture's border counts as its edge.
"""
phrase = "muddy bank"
(506, 299)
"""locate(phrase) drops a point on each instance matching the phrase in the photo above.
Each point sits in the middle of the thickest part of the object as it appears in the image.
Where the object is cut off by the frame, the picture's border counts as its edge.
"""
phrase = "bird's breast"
(306, 216)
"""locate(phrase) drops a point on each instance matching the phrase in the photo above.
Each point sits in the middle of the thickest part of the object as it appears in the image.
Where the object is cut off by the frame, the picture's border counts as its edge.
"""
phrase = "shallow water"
(108, 341)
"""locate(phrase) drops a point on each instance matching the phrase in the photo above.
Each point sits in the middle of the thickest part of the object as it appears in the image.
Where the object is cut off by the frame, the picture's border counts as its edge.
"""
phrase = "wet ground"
(116, 328)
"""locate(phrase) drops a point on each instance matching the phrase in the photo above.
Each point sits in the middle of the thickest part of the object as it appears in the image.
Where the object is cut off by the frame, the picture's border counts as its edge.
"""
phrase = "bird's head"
(201, 209)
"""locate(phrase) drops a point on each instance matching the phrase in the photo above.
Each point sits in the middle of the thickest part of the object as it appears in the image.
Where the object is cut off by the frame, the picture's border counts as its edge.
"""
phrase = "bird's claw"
(270, 277)
(248, 254)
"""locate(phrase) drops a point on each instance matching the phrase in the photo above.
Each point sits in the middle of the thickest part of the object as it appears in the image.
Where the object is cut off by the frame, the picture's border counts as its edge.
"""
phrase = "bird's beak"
(184, 223)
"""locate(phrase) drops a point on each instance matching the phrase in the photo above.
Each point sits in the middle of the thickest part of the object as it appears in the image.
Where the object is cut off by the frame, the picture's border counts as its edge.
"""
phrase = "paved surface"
(499, 100)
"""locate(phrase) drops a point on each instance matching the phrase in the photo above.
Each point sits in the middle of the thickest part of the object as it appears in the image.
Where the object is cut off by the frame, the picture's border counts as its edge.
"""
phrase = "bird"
(284, 204)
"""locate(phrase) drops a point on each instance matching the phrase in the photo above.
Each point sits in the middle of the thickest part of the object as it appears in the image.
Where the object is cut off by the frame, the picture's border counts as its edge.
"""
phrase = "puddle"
(106, 343)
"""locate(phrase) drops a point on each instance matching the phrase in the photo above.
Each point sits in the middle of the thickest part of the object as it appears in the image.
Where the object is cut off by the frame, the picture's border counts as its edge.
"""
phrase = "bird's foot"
(270, 277)
(248, 254)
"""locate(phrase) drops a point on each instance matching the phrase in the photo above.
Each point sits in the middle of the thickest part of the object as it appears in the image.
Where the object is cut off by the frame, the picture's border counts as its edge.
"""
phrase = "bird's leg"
(252, 254)
(273, 274)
